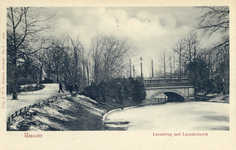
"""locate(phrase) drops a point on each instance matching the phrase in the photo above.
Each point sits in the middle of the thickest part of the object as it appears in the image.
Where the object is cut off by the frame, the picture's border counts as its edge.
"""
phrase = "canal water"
(171, 116)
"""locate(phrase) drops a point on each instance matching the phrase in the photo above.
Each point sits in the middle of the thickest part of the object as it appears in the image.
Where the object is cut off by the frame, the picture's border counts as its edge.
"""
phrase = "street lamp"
(141, 59)
(133, 72)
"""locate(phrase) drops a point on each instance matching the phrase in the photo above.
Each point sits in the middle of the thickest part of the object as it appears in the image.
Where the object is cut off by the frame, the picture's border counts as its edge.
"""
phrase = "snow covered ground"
(173, 116)
(29, 98)
(82, 113)
(64, 114)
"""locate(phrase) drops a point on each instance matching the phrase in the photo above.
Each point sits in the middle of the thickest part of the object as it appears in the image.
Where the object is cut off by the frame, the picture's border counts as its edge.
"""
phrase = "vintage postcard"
(117, 75)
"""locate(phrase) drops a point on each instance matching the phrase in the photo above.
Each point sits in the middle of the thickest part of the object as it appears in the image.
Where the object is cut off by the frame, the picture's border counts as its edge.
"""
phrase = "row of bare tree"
(184, 52)
(207, 68)
(31, 52)
(68, 60)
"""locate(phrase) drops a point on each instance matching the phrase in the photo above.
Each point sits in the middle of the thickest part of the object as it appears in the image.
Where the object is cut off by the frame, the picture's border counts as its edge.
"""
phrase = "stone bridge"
(177, 90)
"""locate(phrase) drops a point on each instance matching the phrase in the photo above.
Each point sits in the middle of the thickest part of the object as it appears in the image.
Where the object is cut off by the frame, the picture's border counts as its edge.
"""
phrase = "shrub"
(30, 88)
(118, 89)
(139, 93)
(47, 80)
(91, 91)
(39, 87)
(10, 88)
(26, 81)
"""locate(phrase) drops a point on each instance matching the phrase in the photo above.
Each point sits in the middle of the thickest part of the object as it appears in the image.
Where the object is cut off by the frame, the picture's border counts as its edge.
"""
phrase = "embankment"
(63, 114)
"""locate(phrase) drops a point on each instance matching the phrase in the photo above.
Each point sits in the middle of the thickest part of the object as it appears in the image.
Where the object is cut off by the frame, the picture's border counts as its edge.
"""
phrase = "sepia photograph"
(117, 68)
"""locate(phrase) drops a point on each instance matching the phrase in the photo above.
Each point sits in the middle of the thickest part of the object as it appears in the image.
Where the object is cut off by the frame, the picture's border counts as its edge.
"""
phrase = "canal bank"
(83, 113)
(62, 114)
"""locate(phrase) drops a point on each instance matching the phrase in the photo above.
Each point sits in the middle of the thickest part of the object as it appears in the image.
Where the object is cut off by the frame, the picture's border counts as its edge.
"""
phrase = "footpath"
(29, 98)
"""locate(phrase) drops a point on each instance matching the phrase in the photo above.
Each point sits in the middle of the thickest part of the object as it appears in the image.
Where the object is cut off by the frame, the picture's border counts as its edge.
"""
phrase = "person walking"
(71, 88)
(76, 88)
(120, 92)
(60, 88)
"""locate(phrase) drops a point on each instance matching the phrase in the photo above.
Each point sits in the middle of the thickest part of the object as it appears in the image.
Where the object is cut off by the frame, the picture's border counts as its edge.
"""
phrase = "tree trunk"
(195, 72)
(57, 74)
(41, 74)
(84, 76)
(164, 67)
(14, 95)
(87, 73)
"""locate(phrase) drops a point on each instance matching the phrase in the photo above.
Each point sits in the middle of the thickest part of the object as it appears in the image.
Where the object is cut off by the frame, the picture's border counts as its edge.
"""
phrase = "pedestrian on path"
(120, 92)
(76, 88)
(70, 88)
(60, 88)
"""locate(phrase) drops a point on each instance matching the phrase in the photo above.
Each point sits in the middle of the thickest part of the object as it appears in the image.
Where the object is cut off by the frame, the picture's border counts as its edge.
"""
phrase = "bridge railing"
(166, 82)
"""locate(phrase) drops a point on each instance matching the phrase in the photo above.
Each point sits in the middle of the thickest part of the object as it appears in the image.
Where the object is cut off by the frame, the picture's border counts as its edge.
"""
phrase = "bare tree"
(216, 20)
(191, 45)
(96, 58)
(23, 25)
(170, 64)
(77, 57)
(56, 56)
(179, 50)
(163, 59)
(109, 57)
(68, 61)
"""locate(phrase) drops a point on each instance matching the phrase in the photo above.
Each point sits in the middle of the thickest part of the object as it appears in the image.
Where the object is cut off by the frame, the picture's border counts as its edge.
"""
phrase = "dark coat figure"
(120, 92)
(76, 88)
(60, 88)
(101, 89)
(70, 88)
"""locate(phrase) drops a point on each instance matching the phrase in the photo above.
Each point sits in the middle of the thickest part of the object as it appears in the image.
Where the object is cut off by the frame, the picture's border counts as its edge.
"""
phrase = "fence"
(25, 110)
(166, 82)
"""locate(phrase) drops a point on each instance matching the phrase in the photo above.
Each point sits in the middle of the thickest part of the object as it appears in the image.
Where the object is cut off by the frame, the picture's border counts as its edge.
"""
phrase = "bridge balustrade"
(166, 82)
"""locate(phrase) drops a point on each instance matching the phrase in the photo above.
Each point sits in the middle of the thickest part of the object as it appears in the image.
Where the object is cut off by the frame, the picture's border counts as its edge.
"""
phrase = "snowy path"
(29, 98)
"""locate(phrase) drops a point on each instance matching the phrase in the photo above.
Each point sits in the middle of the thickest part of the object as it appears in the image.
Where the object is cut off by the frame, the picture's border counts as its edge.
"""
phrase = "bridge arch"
(173, 95)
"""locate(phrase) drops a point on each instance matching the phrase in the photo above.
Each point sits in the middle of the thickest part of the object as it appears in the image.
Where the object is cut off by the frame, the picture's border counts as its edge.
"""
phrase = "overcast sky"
(150, 30)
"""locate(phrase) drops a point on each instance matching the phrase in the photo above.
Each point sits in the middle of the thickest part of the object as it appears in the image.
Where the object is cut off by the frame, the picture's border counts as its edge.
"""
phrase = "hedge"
(118, 89)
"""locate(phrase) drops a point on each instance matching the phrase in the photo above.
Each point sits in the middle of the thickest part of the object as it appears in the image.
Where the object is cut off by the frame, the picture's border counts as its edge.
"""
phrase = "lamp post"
(130, 69)
(170, 69)
(133, 72)
(141, 59)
